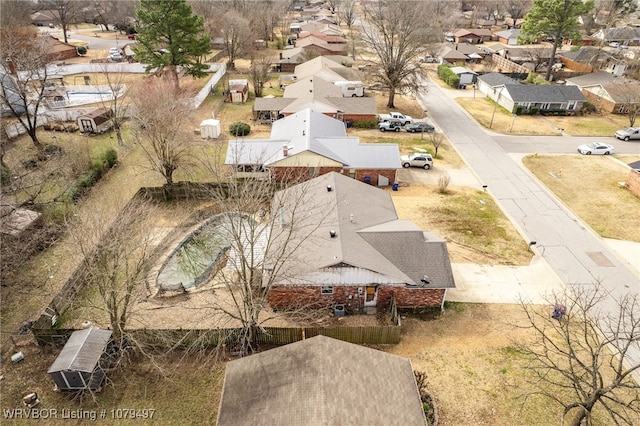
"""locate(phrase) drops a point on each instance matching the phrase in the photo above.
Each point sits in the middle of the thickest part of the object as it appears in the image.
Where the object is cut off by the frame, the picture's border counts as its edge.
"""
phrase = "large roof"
(544, 93)
(370, 244)
(82, 351)
(494, 79)
(320, 381)
(592, 79)
(311, 87)
(331, 70)
(312, 131)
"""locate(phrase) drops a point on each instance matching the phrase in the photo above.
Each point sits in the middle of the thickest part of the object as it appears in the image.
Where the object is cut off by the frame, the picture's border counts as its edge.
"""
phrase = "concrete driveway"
(463, 176)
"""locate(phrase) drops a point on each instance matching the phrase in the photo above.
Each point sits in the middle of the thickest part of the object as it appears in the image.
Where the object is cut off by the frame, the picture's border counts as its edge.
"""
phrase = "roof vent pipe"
(333, 233)
(352, 218)
(285, 150)
(329, 188)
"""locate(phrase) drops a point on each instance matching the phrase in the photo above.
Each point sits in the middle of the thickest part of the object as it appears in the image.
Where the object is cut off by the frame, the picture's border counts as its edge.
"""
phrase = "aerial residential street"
(576, 254)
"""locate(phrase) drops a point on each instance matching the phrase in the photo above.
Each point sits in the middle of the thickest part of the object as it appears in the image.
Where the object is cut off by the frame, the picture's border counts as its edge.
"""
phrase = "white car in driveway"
(596, 148)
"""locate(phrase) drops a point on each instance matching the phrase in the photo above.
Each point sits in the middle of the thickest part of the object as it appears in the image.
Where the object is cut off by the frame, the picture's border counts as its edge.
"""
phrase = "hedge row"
(85, 181)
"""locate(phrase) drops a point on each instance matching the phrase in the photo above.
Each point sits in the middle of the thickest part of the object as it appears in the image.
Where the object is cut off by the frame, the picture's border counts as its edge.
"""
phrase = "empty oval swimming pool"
(192, 262)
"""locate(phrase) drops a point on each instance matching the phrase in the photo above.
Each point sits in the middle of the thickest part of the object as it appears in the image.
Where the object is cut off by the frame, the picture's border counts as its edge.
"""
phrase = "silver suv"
(417, 159)
(630, 133)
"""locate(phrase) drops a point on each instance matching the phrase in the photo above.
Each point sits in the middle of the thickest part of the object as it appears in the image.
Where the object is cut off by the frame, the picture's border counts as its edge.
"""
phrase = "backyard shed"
(238, 91)
(78, 365)
(210, 129)
(96, 121)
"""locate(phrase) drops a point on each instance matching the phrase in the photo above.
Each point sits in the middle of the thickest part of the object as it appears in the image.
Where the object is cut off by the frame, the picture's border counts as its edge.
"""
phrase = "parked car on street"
(596, 148)
(389, 126)
(417, 159)
(419, 128)
(428, 59)
(630, 133)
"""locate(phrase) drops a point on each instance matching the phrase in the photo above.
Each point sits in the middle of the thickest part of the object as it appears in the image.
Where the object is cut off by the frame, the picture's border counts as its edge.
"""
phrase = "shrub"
(86, 180)
(365, 124)
(5, 175)
(82, 50)
(239, 129)
(111, 157)
(53, 150)
(588, 107)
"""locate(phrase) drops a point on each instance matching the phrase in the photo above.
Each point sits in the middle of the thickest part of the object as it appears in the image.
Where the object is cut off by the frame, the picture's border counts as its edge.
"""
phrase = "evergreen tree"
(169, 35)
(555, 20)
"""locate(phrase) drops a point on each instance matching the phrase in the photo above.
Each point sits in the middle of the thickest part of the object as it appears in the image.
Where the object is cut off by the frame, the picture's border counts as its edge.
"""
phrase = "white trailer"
(351, 88)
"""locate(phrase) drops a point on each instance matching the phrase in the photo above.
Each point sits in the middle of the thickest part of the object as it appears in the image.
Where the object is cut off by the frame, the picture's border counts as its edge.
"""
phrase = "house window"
(326, 290)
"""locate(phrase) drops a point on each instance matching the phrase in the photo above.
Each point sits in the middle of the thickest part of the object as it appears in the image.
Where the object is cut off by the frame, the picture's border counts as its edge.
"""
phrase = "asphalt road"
(559, 144)
(577, 255)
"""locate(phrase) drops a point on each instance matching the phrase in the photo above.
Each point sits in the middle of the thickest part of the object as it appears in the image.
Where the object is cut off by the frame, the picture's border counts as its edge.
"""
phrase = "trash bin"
(367, 179)
(394, 186)
(348, 124)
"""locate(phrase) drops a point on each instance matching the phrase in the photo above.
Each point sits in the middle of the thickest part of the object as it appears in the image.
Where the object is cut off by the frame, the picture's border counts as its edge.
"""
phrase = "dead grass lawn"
(590, 187)
(474, 227)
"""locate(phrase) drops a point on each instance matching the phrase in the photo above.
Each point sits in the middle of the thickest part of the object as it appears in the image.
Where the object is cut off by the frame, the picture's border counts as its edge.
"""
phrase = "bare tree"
(117, 101)
(517, 9)
(259, 72)
(436, 139)
(580, 357)
(347, 13)
(15, 13)
(115, 255)
(24, 77)
(266, 232)
(66, 12)
(626, 94)
(236, 36)
(161, 113)
(395, 35)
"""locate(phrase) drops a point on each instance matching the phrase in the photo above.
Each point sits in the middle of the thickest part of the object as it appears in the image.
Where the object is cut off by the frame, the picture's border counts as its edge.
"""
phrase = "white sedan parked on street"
(596, 148)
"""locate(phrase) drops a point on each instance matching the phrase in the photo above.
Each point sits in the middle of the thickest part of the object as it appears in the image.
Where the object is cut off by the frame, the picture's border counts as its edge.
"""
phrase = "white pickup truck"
(395, 116)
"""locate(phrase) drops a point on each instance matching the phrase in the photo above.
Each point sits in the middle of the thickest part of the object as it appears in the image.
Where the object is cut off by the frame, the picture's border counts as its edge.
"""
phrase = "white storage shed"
(210, 129)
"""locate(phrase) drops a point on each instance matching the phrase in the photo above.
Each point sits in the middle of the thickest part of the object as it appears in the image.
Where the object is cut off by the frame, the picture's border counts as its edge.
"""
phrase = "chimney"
(11, 66)
(285, 150)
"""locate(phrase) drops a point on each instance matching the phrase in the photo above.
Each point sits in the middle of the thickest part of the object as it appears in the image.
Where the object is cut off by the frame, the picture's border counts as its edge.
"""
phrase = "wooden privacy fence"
(170, 338)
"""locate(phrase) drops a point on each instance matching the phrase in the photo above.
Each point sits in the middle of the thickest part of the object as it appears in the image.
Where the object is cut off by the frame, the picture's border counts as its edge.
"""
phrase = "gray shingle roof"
(592, 79)
(371, 244)
(494, 79)
(320, 381)
(82, 351)
(311, 131)
(271, 104)
(544, 93)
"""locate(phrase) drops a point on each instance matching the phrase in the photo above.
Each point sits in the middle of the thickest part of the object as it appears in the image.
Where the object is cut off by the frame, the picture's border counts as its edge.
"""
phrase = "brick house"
(607, 92)
(307, 144)
(472, 36)
(58, 50)
(359, 254)
(314, 88)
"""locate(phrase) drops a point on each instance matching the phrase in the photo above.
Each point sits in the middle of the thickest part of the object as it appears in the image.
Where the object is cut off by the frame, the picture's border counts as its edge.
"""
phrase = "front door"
(371, 295)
